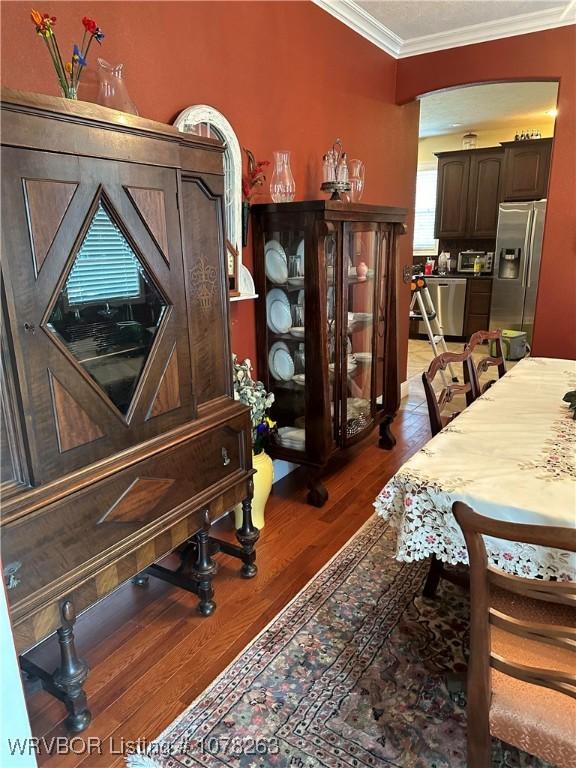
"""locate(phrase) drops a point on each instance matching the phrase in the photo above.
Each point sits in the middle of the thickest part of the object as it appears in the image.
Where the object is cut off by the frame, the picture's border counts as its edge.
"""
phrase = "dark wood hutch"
(121, 440)
(327, 326)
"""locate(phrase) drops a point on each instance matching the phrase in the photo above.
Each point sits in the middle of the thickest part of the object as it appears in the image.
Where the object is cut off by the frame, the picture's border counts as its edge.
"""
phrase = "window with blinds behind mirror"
(109, 310)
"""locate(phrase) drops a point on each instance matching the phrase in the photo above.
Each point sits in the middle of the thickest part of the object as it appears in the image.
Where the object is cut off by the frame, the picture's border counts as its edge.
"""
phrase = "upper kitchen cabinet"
(451, 194)
(468, 193)
(526, 169)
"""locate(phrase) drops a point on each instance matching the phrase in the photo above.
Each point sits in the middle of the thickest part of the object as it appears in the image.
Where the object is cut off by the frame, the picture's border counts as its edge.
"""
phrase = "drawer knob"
(225, 457)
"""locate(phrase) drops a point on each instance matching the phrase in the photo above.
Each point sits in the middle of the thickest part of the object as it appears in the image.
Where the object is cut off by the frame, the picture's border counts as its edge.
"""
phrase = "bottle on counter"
(443, 260)
(478, 264)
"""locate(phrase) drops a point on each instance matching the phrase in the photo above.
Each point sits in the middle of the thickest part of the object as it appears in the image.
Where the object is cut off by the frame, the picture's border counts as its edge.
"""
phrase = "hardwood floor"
(151, 654)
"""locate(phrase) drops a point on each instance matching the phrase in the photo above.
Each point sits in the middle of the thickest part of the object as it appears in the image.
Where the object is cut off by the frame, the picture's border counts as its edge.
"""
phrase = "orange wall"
(541, 55)
(286, 74)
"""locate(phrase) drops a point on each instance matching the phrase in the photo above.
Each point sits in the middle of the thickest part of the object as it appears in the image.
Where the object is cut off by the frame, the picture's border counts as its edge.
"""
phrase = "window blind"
(425, 210)
(105, 268)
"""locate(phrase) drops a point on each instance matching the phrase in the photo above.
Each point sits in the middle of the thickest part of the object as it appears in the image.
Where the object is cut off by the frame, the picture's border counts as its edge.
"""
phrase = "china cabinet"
(121, 440)
(327, 326)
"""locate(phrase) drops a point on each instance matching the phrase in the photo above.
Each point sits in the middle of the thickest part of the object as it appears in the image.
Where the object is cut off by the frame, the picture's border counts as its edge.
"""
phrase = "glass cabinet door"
(285, 269)
(330, 263)
(360, 268)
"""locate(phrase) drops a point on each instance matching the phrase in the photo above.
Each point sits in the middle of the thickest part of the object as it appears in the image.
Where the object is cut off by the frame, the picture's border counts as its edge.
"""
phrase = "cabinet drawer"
(79, 535)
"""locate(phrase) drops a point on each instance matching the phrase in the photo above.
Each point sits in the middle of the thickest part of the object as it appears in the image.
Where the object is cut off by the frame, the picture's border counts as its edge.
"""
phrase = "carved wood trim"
(46, 206)
(73, 425)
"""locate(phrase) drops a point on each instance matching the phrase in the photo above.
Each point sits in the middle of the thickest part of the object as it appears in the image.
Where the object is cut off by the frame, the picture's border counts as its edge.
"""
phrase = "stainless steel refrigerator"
(517, 265)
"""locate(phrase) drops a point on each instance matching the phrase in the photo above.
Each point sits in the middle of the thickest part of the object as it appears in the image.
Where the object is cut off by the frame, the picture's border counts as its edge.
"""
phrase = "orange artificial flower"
(36, 17)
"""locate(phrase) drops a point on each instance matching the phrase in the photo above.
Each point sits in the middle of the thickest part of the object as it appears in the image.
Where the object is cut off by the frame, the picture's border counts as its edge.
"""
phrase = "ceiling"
(409, 27)
(482, 107)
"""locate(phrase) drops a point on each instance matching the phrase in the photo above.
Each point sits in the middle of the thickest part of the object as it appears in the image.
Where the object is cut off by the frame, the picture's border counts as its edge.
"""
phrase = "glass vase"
(113, 92)
(357, 171)
(282, 186)
(69, 92)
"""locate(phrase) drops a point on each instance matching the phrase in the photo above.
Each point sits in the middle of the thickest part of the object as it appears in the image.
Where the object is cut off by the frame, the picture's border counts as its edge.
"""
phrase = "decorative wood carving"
(73, 425)
(167, 396)
(138, 501)
(150, 205)
(47, 203)
(203, 283)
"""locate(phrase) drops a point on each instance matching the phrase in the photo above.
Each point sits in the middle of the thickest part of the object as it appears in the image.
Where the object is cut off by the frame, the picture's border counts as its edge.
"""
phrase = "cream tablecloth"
(511, 455)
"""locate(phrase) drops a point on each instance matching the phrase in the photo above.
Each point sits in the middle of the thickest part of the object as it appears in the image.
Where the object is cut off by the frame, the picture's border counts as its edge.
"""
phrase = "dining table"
(511, 456)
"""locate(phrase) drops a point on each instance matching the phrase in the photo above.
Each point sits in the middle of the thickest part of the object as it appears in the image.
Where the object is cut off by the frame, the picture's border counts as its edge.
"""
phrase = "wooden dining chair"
(521, 681)
(437, 402)
(480, 367)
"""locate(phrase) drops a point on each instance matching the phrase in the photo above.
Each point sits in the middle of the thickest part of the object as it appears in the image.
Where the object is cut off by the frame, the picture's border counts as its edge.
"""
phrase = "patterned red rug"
(358, 671)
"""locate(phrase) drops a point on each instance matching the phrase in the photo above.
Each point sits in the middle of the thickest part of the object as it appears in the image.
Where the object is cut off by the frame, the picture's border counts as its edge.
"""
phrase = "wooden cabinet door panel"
(69, 380)
(452, 196)
(526, 170)
(206, 279)
(484, 193)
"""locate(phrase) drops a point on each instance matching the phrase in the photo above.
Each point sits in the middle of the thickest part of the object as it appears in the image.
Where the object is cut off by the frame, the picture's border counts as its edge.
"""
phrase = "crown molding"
(355, 17)
(358, 19)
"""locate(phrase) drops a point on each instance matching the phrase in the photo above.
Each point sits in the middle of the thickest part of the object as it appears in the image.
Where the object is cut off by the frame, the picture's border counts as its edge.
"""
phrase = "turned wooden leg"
(433, 579)
(317, 492)
(387, 439)
(248, 535)
(72, 673)
(204, 570)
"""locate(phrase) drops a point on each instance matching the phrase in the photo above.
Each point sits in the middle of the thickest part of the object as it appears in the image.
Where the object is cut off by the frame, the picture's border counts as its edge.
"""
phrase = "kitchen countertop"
(460, 275)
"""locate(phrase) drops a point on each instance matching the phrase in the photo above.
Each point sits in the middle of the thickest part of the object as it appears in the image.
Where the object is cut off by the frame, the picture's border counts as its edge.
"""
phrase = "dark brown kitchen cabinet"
(327, 321)
(526, 169)
(468, 192)
(121, 439)
(477, 307)
(452, 194)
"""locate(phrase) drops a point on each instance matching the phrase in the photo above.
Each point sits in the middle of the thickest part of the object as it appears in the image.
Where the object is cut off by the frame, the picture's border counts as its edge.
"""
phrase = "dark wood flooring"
(151, 654)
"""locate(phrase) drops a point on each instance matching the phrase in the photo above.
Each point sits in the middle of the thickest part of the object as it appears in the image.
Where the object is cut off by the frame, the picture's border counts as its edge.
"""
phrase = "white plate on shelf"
(278, 314)
(296, 282)
(297, 331)
(280, 361)
(276, 263)
(300, 252)
(300, 379)
(363, 357)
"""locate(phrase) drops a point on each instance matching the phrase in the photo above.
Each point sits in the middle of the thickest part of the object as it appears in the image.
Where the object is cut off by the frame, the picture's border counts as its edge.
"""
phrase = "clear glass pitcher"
(113, 92)
(282, 186)
(356, 177)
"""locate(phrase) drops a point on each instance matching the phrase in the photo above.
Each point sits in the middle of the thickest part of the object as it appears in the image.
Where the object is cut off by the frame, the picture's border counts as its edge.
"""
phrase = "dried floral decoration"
(255, 177)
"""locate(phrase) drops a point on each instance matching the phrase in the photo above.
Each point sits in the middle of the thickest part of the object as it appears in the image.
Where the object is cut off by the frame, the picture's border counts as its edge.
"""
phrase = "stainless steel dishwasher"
(448, 295)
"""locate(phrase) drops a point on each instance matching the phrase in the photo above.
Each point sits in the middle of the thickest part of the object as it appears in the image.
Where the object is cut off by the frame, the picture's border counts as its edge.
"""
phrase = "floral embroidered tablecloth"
(511, 455)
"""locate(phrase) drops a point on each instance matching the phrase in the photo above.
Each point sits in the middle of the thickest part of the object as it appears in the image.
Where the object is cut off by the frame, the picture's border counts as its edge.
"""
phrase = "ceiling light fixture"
(456, 125)
(552, 112)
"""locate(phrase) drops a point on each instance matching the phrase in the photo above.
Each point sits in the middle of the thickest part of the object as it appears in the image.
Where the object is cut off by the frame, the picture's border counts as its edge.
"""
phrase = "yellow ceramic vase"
(263, 480)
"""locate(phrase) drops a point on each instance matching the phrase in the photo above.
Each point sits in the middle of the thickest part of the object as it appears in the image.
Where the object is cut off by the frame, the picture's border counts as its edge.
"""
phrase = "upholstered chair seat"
(538, 720)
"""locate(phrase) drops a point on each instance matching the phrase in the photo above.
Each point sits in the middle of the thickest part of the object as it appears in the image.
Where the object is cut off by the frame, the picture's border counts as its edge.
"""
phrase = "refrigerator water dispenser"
(509, 266)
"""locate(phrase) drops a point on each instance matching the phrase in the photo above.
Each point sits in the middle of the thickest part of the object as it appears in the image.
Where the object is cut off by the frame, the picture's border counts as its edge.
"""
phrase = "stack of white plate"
(278, 314)
(276, 263)
(363, 357)
(280, 362)
(292, 437)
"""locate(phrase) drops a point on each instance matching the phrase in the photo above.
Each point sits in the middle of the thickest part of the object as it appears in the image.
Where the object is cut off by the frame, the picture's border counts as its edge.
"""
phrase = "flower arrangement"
(253, 394)
(68, 73)
(255, 176)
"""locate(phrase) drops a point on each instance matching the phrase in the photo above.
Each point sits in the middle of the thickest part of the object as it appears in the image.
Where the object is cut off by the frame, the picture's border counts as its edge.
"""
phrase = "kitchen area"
(480, 211)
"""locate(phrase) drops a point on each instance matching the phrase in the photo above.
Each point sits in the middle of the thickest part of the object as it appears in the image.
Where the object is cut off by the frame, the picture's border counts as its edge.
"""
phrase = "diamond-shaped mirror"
(109, 310)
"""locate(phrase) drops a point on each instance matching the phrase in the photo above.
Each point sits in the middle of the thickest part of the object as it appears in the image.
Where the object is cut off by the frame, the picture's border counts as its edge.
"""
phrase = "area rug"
(359, 670)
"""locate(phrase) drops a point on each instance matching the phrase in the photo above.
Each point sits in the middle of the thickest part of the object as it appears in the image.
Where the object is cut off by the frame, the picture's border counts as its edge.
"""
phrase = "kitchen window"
(424, 241)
